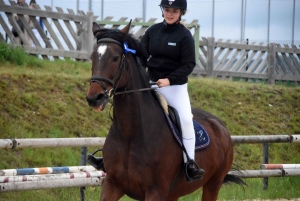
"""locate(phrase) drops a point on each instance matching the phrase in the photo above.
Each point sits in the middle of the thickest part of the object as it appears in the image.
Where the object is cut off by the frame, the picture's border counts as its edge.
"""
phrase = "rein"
(137, 90)
(117, 77)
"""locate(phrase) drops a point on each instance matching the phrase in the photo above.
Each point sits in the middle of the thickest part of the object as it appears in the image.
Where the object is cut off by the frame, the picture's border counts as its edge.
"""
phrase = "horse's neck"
(136, 109)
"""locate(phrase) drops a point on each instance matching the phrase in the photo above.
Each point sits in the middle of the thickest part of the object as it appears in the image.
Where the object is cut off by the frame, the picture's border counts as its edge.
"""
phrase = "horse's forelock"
(111, 33)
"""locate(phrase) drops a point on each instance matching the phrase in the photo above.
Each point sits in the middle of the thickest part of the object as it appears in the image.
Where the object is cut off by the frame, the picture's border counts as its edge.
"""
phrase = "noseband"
(115, 81)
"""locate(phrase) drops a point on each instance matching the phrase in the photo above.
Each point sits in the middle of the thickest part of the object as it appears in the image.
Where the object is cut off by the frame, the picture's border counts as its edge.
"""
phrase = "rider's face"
(171, 15)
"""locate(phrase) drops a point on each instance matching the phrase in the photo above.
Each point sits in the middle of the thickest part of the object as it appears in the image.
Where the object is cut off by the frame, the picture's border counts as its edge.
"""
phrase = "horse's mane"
(121, 37)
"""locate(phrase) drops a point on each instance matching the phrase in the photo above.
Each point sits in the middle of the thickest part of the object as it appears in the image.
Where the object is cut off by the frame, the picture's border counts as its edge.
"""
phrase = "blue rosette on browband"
(127, 49)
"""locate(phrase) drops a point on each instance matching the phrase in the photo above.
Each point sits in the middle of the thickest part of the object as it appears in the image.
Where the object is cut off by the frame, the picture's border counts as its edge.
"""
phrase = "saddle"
(169, 110)
(174, 117)
(202, 138)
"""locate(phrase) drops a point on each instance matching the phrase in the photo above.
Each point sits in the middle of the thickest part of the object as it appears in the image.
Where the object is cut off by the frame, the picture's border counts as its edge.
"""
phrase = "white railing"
(43, 178)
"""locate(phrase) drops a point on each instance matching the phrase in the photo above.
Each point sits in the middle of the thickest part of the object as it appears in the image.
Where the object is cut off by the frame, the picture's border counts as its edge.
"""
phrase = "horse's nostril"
(100, 97)
(95, 100)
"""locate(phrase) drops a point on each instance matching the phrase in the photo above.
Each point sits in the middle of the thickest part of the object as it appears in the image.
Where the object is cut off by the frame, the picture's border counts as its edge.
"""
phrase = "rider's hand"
(163, 82)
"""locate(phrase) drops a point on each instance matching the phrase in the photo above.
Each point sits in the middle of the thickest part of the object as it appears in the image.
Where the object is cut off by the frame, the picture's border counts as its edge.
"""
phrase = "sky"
(226, 23)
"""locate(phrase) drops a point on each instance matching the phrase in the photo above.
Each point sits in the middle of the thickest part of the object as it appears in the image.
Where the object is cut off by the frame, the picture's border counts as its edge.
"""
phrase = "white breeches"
(177, 96)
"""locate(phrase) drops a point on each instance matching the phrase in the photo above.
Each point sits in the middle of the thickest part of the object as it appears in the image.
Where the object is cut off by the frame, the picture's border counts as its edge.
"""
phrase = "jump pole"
(279, 166)
(51, 142)
(99, 141)
(47, 170)
(48, 184)
(26, 178)
(266, 173)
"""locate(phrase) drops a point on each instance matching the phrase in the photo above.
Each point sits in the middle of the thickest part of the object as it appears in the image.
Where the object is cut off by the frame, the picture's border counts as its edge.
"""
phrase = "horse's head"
(108, 63)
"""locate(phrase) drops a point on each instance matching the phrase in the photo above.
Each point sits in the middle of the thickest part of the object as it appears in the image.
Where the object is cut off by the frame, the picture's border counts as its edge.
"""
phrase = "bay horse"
(141, 157)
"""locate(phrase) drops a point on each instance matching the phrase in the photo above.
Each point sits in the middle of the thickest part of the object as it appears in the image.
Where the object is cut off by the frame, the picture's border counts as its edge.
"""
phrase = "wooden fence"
(270, 63)
(73, 39)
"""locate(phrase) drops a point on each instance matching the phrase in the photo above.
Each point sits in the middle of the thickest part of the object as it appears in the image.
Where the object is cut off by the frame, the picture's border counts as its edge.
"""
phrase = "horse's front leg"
(110, 191)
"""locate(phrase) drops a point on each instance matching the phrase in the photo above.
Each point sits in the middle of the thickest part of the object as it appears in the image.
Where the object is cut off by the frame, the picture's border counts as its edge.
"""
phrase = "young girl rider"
(171, 51)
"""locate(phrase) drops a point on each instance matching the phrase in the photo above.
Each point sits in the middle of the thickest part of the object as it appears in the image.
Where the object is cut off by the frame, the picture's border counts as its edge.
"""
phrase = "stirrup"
(96, 162)
(200, 172)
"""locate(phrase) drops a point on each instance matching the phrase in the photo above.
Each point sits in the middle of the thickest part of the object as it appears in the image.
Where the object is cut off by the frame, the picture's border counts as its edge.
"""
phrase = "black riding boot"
(193, 172)
(96, 162)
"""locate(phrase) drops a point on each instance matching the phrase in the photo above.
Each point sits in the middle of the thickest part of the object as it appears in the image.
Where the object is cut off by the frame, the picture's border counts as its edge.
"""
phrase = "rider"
(171, 51)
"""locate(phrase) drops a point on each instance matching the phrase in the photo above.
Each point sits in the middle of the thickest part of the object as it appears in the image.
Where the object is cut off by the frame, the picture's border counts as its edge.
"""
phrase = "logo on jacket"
(171, 44)
(171, 1)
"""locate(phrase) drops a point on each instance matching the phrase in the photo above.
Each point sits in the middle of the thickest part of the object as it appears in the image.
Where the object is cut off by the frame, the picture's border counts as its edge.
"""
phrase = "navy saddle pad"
(201, 135)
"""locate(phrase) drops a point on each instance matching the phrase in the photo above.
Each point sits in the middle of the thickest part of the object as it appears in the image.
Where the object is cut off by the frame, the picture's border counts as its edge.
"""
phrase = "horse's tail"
(231, 178)
(234, 176)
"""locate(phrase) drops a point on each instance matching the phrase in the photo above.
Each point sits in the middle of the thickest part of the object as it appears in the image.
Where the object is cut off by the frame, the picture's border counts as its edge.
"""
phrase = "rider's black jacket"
(171, 50)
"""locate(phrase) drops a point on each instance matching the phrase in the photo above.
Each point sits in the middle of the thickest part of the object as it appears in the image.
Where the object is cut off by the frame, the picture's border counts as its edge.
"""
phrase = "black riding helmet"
(181, 4)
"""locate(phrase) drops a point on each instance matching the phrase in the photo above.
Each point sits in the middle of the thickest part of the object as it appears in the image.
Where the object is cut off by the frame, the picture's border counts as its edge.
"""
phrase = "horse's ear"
(96, 29)
(126, 29)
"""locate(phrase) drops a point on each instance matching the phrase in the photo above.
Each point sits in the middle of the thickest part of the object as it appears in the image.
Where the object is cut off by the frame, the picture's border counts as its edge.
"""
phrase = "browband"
(108, 40)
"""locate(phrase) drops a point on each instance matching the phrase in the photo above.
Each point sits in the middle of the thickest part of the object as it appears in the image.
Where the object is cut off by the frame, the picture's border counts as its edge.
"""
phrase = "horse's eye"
(116, 58)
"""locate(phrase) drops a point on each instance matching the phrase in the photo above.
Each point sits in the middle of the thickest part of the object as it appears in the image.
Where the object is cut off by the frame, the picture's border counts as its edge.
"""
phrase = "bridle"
(115, 81)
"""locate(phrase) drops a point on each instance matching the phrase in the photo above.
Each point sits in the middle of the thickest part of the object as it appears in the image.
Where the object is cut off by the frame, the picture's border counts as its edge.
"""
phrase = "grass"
(46, 99)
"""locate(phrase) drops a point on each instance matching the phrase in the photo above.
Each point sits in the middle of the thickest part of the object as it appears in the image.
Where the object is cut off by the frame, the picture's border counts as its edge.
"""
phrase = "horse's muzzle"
(97, 102)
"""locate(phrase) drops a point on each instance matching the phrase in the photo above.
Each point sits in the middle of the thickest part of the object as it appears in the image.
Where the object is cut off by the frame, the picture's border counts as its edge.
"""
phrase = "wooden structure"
(234, 60)
(75, 41)
(270, 63)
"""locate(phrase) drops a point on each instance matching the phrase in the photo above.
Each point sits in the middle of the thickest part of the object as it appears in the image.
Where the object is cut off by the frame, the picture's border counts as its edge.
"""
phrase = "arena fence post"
(266, 161)
(83, 154)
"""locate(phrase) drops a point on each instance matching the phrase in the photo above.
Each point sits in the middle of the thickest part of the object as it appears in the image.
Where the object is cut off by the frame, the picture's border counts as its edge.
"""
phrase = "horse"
(141, 157)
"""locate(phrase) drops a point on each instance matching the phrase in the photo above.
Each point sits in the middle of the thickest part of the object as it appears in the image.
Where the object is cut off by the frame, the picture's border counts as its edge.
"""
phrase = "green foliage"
(46, 99)
(10, 54)
(17, 56)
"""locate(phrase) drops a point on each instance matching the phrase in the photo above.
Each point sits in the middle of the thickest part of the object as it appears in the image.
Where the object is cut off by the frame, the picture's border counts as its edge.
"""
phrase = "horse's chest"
(129, 163)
